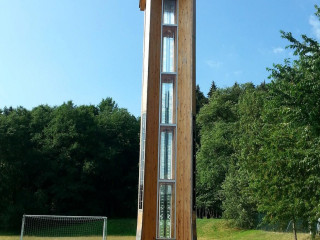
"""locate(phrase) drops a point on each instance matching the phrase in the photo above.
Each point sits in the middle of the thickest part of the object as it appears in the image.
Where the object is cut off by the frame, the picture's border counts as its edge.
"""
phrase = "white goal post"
(67, 227)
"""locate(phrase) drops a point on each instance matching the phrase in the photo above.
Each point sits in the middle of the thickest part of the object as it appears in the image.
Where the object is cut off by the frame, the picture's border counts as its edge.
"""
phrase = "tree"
(16, 150)
(212, 89)
(218, 121)
(69, 160)
(201, 100)
(238, 200)
(285, 166)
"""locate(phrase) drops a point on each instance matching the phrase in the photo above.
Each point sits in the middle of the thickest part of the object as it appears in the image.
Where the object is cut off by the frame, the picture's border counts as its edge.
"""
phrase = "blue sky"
(52, 51)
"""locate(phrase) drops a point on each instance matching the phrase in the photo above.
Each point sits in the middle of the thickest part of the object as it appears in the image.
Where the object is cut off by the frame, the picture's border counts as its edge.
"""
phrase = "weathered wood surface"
(186, 90)
(152, 131)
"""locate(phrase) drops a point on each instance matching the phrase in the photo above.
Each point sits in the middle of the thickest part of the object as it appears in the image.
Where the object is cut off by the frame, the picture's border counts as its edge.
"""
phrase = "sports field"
(213, 229)
(78, 238)
(208, 229)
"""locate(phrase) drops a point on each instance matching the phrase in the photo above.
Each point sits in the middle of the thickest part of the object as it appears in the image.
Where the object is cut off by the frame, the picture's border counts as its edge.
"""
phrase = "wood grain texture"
(152, 124)
(185, 221)
(142, 5)
(186, 90)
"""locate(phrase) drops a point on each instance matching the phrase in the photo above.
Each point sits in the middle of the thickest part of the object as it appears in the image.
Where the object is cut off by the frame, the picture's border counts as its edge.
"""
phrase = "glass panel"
(167, 154)
(142, 158)
(168, 52)
(168, 99)
(166, 211)
(167, 103)
(169, 13)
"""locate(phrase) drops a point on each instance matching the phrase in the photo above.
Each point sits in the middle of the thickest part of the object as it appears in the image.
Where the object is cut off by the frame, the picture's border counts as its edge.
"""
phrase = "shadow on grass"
(122, 227)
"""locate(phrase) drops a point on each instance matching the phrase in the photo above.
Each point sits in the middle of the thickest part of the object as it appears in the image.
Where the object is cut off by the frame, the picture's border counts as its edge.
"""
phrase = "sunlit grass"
(217, 229)
(67, 238)
(207, 229)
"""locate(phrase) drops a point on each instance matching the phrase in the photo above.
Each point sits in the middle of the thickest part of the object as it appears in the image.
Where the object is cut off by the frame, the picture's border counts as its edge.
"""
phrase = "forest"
(258, 152)
(68, 160)
(259, 146)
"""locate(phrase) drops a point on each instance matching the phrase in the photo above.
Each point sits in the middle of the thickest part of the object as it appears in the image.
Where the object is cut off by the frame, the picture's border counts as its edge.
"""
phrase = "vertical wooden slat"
(142, 5)
(151, 157)
(186, 89)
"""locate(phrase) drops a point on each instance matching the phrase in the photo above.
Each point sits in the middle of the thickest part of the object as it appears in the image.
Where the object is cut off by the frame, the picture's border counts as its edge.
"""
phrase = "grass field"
(208, 229)
(78, 238)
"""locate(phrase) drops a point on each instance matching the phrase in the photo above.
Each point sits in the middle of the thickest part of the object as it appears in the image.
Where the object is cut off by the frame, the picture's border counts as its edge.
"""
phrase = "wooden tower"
(166, 199)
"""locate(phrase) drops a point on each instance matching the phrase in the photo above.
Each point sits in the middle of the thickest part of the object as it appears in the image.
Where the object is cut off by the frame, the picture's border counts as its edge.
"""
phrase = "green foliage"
(218, 121)
(239, 199)
(70, 160)
(239, 204)
(212, 89)
(201, 100)
(260, 146)
(287, 166)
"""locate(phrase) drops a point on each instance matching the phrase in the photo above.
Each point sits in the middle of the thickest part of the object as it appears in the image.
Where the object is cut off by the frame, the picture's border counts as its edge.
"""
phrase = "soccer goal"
(52, 227)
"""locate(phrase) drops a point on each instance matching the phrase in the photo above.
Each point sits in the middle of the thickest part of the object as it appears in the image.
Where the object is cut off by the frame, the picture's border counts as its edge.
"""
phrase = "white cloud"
(213, 64)
(278, 50)
(314, 22)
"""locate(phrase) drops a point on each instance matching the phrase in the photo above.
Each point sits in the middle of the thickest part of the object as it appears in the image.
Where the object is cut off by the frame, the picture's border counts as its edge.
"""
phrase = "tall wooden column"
(166, 204)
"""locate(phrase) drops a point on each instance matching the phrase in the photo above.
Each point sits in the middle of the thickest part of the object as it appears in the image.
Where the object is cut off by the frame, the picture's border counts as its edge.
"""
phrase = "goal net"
(51, 227)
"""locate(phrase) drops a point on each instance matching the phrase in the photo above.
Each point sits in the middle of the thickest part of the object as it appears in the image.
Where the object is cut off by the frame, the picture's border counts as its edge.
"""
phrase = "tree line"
(68, 160)
(259, 146)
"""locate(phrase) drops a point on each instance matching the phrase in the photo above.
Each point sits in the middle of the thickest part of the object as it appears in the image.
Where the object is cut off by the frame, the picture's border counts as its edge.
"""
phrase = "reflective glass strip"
(165, 211)
(142, 160)
(166, 155)
(169, 12)
(168, 52)
(167, 103)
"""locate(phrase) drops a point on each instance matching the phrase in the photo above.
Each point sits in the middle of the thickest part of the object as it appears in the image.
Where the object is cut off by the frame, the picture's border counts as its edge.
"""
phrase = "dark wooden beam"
(142, 5)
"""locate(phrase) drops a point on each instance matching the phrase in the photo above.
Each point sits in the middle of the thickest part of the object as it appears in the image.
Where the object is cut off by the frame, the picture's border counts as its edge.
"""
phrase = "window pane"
(167, 103)
(166, 154)
(168, 53)
(169, 12)
(166, 211)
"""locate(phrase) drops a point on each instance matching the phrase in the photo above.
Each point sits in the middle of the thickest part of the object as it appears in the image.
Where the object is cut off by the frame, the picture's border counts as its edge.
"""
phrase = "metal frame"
(175, 73)
(22, 227)
(93, 217)
(142, 155)
(193, 133)
(104, 233)
(105, 219)
(144, 97)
